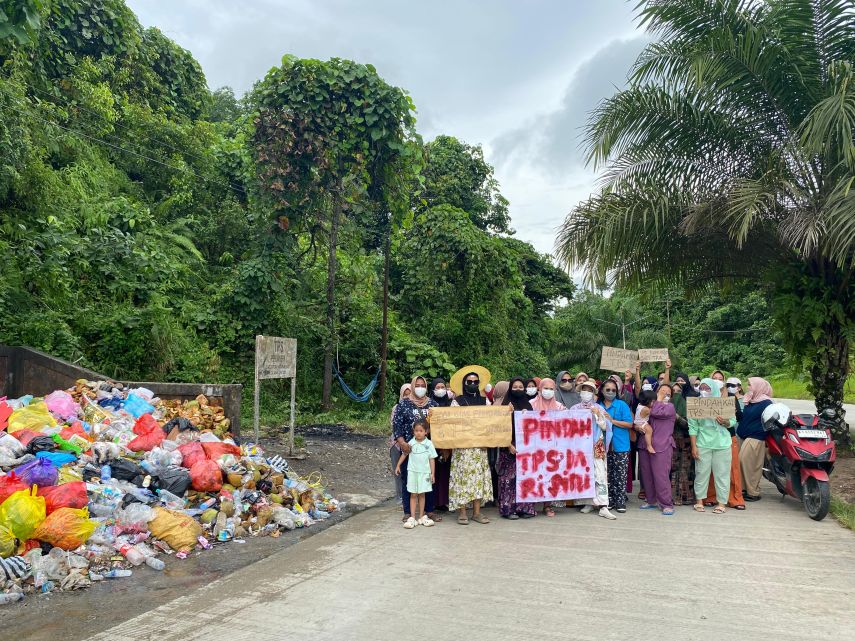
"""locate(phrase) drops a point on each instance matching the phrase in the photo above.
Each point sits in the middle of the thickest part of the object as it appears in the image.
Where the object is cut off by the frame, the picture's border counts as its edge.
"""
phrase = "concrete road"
(766, 573)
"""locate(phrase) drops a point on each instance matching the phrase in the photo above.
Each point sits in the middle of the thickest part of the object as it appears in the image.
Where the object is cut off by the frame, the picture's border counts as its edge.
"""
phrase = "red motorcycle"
(800, 455)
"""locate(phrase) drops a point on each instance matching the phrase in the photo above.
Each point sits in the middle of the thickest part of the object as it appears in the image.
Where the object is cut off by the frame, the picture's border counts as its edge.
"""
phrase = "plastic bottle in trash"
(106, 473)
(47, 586)
(154, 563)
(117, 574)
(130, 552)
(10, 597)
(170, 500)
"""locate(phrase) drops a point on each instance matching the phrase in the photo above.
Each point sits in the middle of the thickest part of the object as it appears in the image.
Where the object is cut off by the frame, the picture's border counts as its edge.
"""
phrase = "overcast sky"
(516, 76)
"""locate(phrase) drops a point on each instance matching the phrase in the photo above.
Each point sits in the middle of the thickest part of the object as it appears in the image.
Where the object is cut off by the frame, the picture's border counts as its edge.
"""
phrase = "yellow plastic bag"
(8, 544)
(66, 528)
(68, 474)
(23, 512)
(178, 530)
(34, 416)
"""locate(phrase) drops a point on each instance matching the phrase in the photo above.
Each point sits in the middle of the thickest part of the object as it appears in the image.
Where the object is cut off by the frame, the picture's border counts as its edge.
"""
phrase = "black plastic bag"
(124, 470)
(182, 424)
(174, 479)
(41, 444)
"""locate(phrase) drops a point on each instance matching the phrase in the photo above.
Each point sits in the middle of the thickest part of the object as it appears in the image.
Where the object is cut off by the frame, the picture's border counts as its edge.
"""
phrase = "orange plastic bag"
(206, 476)
(66, 495)
(214, 451)
(23, 512)
(191, 453)
(66, 528)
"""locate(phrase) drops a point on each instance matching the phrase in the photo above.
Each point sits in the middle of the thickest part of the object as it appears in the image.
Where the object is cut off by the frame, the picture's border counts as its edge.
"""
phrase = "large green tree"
(730, 155)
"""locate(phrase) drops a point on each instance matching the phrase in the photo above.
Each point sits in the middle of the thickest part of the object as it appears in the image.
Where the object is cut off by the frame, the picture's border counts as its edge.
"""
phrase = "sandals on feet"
(549, 512)
(698, 508)
(437, 518)
(462, 520)
(720, 509)
(480, 518)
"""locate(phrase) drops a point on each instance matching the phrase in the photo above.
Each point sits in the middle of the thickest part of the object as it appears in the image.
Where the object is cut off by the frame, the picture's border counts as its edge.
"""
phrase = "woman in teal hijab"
(711, 449)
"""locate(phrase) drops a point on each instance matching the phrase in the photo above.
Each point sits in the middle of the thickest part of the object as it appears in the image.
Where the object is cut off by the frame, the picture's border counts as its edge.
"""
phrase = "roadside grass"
(844, 512)
(787, 386)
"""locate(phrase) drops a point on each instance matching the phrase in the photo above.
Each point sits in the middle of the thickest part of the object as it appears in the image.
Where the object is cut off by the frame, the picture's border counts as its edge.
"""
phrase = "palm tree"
(730, 156)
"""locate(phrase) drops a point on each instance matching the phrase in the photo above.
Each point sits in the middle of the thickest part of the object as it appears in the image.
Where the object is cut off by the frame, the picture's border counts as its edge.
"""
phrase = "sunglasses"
(566, 380)
(730, 385)
(472, 380)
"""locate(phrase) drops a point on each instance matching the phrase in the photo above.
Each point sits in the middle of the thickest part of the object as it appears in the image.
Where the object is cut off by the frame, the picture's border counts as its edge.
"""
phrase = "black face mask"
(470, 388)
(518, 393)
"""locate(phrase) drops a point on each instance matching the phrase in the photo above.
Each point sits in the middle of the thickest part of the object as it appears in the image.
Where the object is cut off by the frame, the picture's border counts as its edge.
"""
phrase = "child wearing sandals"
(421, 473)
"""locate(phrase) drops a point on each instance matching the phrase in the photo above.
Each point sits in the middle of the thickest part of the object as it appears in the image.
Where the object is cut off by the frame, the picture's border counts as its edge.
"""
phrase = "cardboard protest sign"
(615, 359)
(464, 427)
(710, 407)
(555, 455)
(658, 355)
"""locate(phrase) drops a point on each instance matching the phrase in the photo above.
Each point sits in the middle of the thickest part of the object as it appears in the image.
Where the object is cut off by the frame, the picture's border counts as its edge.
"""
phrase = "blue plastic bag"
(137, 406)
(58, 459)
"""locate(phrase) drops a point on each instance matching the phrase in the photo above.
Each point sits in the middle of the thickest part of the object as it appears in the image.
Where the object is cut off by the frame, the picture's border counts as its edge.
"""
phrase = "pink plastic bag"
(61, 405)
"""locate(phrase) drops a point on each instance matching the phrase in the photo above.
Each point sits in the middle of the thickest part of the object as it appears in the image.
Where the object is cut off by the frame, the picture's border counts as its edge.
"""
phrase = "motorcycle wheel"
(816, 498)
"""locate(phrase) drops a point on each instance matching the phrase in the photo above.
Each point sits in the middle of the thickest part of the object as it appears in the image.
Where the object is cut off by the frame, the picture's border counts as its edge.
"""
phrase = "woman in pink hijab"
(752, 436)
(545, 402)
(545, 399)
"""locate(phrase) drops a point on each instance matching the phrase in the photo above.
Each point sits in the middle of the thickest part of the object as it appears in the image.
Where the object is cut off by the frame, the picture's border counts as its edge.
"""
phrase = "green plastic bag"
(8, 544)
(23, 512)
(34, 416)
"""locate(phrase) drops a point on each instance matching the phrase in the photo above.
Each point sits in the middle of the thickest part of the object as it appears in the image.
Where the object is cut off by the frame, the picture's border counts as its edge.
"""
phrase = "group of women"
(641, 431)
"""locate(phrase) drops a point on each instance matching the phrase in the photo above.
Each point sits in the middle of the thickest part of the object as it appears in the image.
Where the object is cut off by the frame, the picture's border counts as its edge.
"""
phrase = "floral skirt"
(470, 478)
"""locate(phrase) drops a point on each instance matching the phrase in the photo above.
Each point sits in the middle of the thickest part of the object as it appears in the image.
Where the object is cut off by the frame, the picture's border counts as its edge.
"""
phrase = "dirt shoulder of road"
(352, 467)
(843, 477)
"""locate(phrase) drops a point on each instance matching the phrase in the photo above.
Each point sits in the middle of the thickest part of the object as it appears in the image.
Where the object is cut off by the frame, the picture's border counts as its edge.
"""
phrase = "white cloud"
(515, 76)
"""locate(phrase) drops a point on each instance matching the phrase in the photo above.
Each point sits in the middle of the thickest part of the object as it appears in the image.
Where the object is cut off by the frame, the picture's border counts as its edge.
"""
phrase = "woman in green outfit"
(711, 449)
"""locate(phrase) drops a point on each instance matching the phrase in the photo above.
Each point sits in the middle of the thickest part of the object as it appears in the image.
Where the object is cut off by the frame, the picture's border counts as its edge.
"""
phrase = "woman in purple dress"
(656, 466)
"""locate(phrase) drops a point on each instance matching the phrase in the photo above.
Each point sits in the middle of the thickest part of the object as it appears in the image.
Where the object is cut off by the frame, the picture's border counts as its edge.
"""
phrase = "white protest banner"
(555, 455)
(615, 359)
(710, 407)
(658, 355)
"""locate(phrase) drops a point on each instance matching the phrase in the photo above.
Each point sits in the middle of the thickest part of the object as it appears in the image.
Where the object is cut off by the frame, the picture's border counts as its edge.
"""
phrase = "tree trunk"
(332, 264)
(828, 373)
(384, 341)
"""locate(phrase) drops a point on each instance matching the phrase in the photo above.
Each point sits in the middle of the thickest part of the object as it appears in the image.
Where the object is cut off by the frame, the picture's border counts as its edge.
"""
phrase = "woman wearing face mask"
(545, 402)
(531, 388)
(711, 449)
(617, 459)
(411, 409)
(682, 463)
(394, 449)
(470, 470)
(566, 393)
(602, 440)
(656, 466)
(735, 498)
(438, 392)
(507, 464)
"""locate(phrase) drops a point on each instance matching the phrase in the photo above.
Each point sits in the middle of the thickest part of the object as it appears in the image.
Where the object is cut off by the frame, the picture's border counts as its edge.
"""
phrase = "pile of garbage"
(98, 479)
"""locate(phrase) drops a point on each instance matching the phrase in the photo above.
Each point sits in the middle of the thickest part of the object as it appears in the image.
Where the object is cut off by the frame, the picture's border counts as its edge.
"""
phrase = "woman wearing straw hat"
(470, 469)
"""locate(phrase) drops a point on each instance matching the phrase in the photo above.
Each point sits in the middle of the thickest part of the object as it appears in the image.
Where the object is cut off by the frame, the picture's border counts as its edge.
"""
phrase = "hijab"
(566, 398)
(760, 390)
(519, 404)
(465, 399)
(500, 392)
(614, 378)
(652, 380)
(415, 400)
(714, 385)
(540, 404)
(445, 401)
(405, 387)
(687, 388)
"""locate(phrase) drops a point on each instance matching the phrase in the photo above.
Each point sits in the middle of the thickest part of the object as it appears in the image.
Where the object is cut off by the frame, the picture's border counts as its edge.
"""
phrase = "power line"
(127, 151)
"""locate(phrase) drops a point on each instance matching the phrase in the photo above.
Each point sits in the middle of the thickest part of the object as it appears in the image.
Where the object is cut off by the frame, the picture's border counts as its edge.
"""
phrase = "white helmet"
(775, 413)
